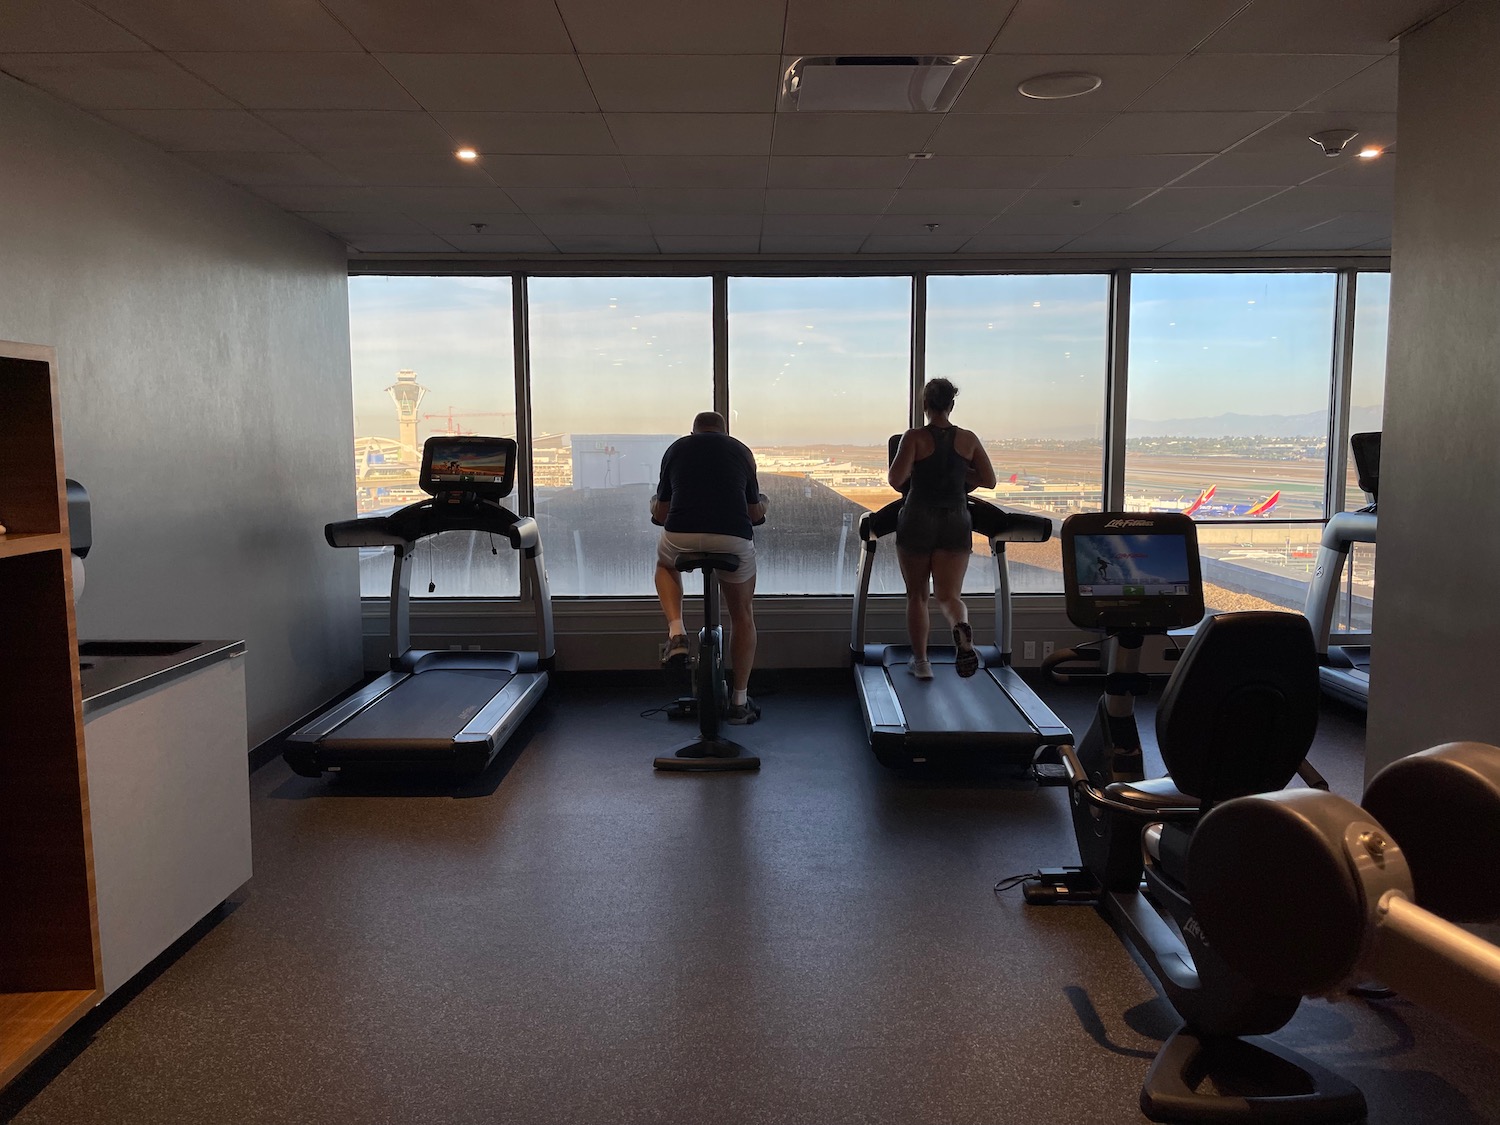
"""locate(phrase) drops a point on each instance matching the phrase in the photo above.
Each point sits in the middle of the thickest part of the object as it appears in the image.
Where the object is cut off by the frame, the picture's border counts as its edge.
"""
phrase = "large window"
(430, 355)
(619, 366)
(1230, 377)
(819, 376)
(1029, 355)
(1372, 301)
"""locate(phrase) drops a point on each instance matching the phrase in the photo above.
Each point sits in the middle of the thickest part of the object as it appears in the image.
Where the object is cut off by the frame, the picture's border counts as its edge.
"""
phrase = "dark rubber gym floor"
(577, 939)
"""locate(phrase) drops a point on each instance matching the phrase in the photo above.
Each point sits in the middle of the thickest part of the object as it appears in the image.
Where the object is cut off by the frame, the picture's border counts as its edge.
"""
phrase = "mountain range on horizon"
(1361, 418)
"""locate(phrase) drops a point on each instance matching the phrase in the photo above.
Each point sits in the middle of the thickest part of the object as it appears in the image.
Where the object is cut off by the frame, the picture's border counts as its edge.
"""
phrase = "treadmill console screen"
(485, 466)
(1131, 570)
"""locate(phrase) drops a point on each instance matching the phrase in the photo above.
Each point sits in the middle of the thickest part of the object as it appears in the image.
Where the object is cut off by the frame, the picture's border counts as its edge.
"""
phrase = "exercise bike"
(708, 753)
(1236, 718)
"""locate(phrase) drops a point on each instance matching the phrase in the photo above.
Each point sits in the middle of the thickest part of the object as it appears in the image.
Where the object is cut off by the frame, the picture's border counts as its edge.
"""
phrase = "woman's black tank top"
(938, 481)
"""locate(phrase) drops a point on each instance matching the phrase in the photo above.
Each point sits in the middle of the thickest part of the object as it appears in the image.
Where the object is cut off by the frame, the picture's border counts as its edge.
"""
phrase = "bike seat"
(707, 560)
(1152, 797)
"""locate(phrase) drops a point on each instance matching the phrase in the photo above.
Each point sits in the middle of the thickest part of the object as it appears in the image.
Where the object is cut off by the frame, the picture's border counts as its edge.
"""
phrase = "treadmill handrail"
(428, 517)
(1341, 532)
(990, 520)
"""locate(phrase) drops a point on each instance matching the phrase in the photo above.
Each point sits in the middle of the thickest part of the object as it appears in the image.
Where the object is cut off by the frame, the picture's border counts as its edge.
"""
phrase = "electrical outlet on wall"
(1028, 650)
(1046, 649)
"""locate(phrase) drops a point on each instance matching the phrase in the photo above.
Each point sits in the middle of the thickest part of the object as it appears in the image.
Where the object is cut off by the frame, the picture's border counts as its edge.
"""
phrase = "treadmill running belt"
(430, 706)
(950, 704)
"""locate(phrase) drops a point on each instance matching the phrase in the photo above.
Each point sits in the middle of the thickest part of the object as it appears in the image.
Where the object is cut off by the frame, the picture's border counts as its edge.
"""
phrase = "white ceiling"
(651, 127)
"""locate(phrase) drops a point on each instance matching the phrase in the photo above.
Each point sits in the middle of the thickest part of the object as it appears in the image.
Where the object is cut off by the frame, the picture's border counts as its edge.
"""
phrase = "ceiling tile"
(1119, 171)
(405, 169)
(1016, 134)
(556, 134)
(605, 245)
(460, 26)
(401, 244)
(61, 25)
(1126, 78)
(684, 83)
(1343, 233)
(1125, 243)
(300, 80)
(815, 201)
(300, 168)
(853, 134)
(1327, 27)
(1249, 82)
(367, 130)
(686, 27)
(557, 171)
(574, 201)
(953, 201)
(348, 224)
(1041, 27)
(1060, 224)
(840, 172)
(692, 134)
(705, 226)
(468, 200)
(1329, 199)
(230, 25)
(1372, 90)
(937, 242)
(323, 197)
(708, 244)
(202, 130)
(997, 242)
(502, 243)
(116, 80)
(703, 201)
(1242, 232)
(1378, 244)
(1094, 201)
(949, 227)
(980, 171)
(496, 224)
(573, 234)
(1134, 134)
(504, 83)
(1380, 173)
(697, 171)
(882, 27)
(1235, 169)
(1209, 202)
(804, 244)
(843, 226)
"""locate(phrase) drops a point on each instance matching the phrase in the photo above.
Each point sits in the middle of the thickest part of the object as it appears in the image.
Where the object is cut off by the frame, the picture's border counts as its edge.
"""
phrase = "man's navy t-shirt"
(708, 480)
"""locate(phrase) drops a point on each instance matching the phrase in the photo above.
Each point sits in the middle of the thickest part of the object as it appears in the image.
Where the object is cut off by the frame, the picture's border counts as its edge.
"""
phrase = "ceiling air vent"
(874, 83)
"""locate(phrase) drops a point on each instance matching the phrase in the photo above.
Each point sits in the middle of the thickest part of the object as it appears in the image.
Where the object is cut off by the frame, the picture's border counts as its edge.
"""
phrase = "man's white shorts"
(674, 543)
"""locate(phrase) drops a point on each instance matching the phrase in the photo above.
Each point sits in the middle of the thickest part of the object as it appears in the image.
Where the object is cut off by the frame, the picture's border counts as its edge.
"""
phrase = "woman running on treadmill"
(941, 463)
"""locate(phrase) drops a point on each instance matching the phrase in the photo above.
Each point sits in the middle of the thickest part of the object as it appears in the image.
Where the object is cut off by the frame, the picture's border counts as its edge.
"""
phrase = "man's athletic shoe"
(921, 669)
(674, 662)
(742, 714)
(967, 662)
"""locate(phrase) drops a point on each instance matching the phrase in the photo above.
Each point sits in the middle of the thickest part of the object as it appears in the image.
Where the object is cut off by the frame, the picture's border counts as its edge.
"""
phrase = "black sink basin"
(134, 648)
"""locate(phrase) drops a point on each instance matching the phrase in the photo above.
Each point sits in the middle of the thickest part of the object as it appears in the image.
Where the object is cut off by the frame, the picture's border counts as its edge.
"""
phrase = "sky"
(825, 360)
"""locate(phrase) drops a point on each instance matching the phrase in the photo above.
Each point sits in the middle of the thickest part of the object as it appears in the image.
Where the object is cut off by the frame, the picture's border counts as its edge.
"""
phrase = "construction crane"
(451, 418)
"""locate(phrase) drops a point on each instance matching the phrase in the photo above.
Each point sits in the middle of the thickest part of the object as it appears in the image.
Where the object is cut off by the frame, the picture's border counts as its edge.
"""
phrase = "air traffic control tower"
(407, 394)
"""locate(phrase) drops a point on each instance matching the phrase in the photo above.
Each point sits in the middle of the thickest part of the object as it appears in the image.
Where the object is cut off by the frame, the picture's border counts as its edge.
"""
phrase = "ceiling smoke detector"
(1054, 87)
(874, 83)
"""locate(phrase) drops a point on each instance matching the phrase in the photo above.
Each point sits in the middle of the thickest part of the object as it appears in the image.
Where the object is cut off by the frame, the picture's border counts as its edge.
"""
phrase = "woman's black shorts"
(921, 530)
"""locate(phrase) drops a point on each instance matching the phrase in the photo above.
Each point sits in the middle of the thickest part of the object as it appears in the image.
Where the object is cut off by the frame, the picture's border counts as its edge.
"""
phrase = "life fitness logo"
(1131, 523)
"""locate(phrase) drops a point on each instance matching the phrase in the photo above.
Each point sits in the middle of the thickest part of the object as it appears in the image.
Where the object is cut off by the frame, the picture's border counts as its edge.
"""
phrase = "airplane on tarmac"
(1228, 511)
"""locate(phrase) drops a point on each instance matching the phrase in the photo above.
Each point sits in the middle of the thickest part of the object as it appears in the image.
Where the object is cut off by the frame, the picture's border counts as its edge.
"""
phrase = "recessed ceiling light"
(1065, 84)
(467, 154)
(1370, 152)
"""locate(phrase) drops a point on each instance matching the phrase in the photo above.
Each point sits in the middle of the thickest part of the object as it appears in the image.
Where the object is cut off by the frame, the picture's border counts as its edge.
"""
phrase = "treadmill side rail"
(1038, 714)
(314, 731)
(502, 714)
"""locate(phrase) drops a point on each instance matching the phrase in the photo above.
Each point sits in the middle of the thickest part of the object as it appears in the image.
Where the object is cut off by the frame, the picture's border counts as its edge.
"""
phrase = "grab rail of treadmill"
(990, 520)
(431, 517)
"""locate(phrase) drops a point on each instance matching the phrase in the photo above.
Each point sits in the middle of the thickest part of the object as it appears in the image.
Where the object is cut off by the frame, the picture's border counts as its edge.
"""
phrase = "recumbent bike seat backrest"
(1241, 709)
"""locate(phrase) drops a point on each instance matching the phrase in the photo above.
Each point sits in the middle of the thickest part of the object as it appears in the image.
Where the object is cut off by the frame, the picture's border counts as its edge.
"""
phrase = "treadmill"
(992, 716)
(1344, 669)
(438, 708)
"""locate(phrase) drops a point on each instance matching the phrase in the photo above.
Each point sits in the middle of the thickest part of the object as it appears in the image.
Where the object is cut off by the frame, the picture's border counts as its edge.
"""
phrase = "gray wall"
(203, 354)
(1437, 602)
